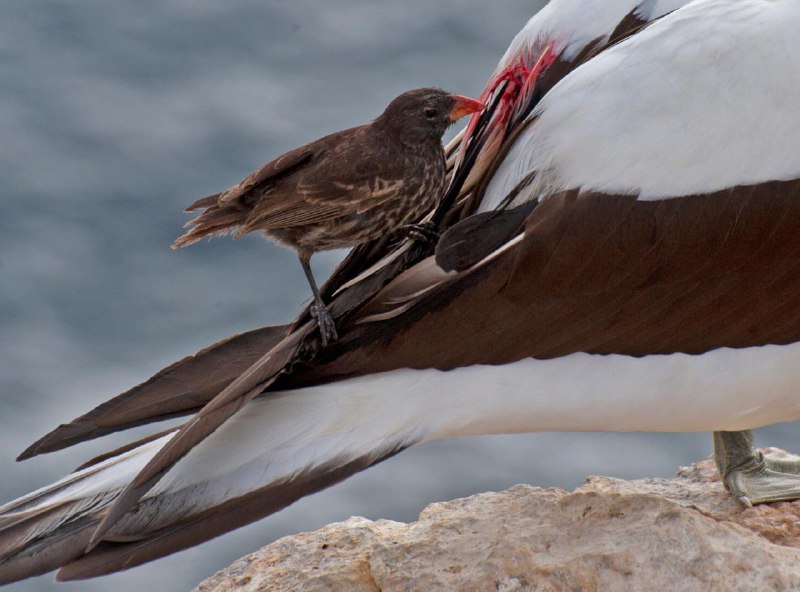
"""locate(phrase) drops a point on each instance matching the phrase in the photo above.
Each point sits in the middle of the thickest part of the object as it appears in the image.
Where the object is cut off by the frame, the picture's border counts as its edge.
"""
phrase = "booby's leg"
(327, 328)
(753, 477)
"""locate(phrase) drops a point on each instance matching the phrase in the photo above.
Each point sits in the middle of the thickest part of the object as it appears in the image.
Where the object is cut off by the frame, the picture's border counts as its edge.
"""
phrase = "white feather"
(272, 440)
(79, 494)
(110, 475)
(572, 24)
(724, 389)
(699, 101)
(653, 9)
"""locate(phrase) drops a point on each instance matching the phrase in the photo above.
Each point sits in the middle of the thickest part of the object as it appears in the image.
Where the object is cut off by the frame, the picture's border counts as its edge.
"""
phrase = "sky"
(115, 116)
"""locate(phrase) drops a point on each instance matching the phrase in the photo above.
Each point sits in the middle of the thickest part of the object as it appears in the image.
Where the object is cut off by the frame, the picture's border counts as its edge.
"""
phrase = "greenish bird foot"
(753, 477)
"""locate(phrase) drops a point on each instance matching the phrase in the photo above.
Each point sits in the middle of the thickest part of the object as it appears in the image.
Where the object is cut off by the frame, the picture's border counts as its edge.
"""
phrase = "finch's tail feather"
(215, 220)
(203, 203)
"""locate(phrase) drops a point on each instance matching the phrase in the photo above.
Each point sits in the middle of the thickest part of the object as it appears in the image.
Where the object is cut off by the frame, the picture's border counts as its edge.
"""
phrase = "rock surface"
(681, 534)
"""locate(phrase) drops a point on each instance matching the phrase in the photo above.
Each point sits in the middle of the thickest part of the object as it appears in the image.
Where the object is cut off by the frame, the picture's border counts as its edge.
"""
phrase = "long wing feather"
(273, 170)
(180, 389)
(248, 385)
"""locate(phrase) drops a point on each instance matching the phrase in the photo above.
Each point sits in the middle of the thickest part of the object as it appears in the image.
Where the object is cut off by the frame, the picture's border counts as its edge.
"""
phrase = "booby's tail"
(275, 450)
(50, 527)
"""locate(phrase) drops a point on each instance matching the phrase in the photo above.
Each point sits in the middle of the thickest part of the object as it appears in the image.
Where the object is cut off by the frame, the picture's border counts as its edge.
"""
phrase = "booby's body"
(641, 283)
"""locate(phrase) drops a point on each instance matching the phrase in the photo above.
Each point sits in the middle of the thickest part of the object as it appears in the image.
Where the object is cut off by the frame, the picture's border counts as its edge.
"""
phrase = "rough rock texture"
(681, 534)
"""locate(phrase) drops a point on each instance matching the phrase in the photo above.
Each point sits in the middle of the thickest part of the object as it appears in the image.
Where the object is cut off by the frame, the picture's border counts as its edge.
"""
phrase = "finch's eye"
(431, 113)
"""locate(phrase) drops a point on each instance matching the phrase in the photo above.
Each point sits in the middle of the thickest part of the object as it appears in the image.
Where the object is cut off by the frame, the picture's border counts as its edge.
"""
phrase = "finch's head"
(427, 112)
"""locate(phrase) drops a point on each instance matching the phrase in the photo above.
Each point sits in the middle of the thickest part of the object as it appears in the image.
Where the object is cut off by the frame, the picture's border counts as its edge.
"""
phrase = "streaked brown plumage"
(343, 189)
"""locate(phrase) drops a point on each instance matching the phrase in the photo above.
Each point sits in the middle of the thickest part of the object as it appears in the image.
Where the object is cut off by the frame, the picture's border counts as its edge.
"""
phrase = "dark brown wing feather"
(296, 213)
(478, 236)
(599, 274)
(48, 554)
(179, 389)
(247, 385)
(269, 173)
(322, 201)
(228, 210)
(353, 171)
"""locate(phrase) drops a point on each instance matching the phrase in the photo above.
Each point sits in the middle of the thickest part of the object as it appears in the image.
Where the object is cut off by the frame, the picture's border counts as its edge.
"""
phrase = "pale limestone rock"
(681, 534)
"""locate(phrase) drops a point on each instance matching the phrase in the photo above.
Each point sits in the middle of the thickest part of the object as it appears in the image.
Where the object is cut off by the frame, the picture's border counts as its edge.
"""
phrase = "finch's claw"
(424, 232)
(327, 328)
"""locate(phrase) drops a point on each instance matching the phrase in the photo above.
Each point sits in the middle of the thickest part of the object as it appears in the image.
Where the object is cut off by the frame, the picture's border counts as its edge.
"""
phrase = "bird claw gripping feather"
(327, 328)
(423, 232)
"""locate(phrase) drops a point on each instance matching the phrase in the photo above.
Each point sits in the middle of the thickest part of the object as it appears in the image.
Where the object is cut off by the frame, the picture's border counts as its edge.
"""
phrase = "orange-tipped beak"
(464, 106)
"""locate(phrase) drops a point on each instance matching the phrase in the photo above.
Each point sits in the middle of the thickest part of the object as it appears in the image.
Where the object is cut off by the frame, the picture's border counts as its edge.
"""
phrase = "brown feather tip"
(203, 202)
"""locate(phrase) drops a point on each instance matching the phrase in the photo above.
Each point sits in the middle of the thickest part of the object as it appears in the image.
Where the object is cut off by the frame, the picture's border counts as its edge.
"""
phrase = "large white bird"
(621, 255)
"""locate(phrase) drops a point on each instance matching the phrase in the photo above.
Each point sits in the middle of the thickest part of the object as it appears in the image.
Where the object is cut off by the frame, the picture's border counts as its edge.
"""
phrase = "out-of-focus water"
(114, 116)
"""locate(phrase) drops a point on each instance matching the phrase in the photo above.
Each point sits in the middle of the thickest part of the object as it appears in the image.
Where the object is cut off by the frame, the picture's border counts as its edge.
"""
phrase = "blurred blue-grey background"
(114, 116)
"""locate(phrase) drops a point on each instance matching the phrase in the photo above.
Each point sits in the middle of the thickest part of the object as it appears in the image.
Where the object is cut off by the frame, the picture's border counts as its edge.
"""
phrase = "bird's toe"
(753, 476)
(423, 232)
(327, 327)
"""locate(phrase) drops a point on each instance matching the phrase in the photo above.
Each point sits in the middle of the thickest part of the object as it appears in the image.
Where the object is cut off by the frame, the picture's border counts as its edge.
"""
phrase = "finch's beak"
(464, 106)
